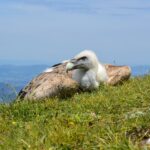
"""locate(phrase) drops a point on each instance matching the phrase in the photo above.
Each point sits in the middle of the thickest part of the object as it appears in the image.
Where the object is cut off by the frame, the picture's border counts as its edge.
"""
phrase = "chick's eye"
(83, 58)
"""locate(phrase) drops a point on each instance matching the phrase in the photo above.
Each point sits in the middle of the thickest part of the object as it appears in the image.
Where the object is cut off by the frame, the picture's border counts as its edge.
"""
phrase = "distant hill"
(14, 78)
(7, 92)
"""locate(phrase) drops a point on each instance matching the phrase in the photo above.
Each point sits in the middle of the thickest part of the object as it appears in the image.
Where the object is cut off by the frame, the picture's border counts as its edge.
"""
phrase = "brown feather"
(59, 83)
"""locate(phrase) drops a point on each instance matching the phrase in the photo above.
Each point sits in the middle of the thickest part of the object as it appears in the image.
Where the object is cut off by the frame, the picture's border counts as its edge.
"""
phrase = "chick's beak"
(70, 65)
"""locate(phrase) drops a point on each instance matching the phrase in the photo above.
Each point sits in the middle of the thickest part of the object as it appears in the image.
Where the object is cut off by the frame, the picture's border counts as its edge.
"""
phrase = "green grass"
(101, 119)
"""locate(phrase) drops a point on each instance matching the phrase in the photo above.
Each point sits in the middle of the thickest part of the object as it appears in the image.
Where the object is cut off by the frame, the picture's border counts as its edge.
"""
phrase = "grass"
(103, 119)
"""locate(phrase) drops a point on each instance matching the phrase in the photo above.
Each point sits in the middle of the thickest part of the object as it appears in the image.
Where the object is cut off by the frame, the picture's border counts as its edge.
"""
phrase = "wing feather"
(60, 83)
(49, 84)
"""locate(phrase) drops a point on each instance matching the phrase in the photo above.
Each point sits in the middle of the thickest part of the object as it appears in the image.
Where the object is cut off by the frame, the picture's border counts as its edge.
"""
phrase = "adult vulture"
(83, 72)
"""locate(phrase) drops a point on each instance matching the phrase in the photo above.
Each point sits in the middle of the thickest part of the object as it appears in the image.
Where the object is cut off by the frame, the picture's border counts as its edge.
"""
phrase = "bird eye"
(83, 58)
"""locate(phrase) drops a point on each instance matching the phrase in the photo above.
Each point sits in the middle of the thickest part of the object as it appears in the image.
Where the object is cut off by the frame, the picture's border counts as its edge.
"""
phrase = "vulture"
(84, 72)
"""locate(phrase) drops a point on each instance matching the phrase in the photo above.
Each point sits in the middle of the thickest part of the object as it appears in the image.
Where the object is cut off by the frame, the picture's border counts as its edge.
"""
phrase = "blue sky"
(48, 31)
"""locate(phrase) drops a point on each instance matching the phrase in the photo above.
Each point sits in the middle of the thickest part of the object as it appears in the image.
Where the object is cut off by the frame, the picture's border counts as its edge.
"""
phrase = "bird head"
(85, 60)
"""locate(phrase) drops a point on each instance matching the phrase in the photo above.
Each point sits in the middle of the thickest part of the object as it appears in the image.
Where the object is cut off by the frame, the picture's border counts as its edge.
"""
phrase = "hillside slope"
(109, 118)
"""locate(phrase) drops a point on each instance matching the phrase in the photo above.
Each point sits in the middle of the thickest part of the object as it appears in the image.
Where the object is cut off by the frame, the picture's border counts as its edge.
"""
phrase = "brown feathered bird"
(83, 72)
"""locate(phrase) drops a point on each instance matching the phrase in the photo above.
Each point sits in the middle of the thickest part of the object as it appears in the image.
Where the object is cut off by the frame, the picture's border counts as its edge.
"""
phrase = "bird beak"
(71, 65)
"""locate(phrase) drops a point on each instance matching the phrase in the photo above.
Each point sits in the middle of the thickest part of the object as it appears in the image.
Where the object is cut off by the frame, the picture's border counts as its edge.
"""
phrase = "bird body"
(89, 72)
(84, 72)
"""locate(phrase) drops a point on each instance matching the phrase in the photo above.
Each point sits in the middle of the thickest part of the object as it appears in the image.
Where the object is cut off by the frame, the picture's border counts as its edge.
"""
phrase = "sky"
(49, 31)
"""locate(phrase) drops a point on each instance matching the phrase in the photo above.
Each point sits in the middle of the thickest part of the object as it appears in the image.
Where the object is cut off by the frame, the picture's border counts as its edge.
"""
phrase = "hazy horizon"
(50, 63)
